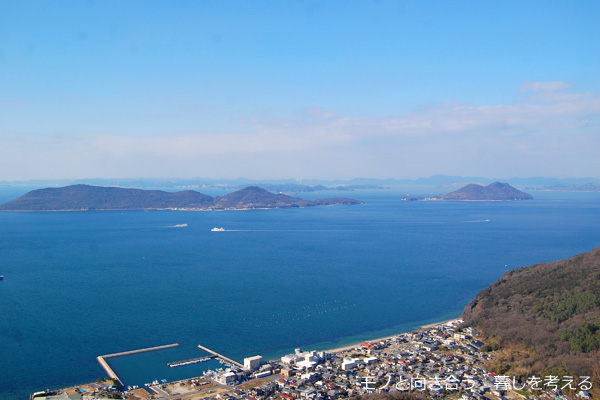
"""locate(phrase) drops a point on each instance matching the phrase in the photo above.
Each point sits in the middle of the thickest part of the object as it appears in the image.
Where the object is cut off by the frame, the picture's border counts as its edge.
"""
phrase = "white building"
(348, 364)
(309, 376)
(252, 363)
(304, 359)
(311, 357)
(262, 374)
(290, 359)
(306, 364)
(227, 378)
(370, 360)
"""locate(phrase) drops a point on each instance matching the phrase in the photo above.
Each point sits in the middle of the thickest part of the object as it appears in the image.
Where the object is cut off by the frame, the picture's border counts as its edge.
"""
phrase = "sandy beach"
(352, 346)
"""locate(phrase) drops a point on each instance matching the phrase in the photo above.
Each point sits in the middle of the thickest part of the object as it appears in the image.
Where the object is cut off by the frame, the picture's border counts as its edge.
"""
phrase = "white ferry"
(215, 229)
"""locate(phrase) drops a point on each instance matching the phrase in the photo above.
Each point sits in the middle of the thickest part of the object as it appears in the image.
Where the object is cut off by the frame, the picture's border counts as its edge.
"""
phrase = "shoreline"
(440, 323)
(352, 346)
(359, 203)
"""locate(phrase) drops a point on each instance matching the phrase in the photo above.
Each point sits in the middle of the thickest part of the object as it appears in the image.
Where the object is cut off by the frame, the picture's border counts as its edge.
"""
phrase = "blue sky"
(299, 89)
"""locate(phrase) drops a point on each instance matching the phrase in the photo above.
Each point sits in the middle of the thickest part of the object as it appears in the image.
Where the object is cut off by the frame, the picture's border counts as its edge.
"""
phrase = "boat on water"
(181, 225)
(1, 277)
(215, 229)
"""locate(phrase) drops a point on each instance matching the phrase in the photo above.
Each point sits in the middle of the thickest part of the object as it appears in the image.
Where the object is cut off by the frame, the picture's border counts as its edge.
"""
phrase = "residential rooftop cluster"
(439, 361)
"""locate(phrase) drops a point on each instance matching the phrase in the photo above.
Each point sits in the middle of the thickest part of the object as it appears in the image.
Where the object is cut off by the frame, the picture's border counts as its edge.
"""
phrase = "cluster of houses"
(411, 361)
(438, 361)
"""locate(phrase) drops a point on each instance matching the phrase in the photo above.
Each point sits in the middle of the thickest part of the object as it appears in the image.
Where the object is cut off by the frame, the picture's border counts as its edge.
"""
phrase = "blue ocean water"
(82, 284)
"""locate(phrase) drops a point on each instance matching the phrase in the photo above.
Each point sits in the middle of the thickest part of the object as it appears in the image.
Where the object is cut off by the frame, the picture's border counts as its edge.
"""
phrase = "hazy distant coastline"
(315, 185)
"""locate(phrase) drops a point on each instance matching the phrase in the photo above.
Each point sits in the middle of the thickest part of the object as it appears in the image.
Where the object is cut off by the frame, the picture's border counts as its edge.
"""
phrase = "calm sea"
(82, 284)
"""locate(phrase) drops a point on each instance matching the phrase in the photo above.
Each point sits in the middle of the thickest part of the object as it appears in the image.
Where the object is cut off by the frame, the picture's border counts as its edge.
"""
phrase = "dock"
(191, 361)
(222, 357)
(109, 370)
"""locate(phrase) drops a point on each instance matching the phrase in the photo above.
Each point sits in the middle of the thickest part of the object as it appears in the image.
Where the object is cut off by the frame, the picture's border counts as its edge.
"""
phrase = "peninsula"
(496, 191)
(543, 319)
(86, 197)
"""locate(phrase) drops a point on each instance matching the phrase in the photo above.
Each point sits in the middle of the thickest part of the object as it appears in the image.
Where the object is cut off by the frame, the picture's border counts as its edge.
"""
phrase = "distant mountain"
(86, 197)
(543, 319)
(586, 187)
(296, 188)
(493, 191)
(304, 185)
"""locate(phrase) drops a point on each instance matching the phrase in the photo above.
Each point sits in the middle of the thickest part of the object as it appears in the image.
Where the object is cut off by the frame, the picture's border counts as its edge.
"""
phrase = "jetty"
(191, 361)
(109, 370)
(222, 357)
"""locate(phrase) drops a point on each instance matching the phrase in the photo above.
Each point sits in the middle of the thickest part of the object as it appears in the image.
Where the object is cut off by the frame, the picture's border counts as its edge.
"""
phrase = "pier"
(109, 370)
(191, 361)
(222, 357)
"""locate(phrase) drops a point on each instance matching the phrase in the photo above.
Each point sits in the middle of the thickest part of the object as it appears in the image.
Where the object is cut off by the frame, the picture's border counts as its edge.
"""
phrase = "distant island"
(86, 197)
(496, 191)
(586, 187)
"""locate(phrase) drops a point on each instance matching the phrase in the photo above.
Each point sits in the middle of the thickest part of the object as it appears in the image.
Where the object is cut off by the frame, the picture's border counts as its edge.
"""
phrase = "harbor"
(156, 384)
(111, 373)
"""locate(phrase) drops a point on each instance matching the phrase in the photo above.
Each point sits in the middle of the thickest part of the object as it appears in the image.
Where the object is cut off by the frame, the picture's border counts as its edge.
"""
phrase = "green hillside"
(543, 319)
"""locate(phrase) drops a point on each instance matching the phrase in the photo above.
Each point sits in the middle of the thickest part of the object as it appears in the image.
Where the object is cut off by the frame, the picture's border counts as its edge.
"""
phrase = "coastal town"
(444, 360)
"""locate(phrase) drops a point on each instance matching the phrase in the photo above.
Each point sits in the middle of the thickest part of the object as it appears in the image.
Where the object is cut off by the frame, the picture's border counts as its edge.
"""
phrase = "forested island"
(86, 197)
(496, 191)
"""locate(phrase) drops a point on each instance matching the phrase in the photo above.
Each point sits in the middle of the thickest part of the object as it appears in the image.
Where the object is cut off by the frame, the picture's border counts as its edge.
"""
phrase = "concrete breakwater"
(191, 361)
(222, 357)
(109, 370)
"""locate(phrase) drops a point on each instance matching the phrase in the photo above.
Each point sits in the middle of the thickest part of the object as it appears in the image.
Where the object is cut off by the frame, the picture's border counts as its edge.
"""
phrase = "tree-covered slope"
(542, 318)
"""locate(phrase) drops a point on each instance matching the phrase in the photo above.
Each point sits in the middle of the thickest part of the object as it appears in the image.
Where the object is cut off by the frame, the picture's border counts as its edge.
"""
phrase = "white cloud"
(531, 86)
(524, 138)
(534, 128)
